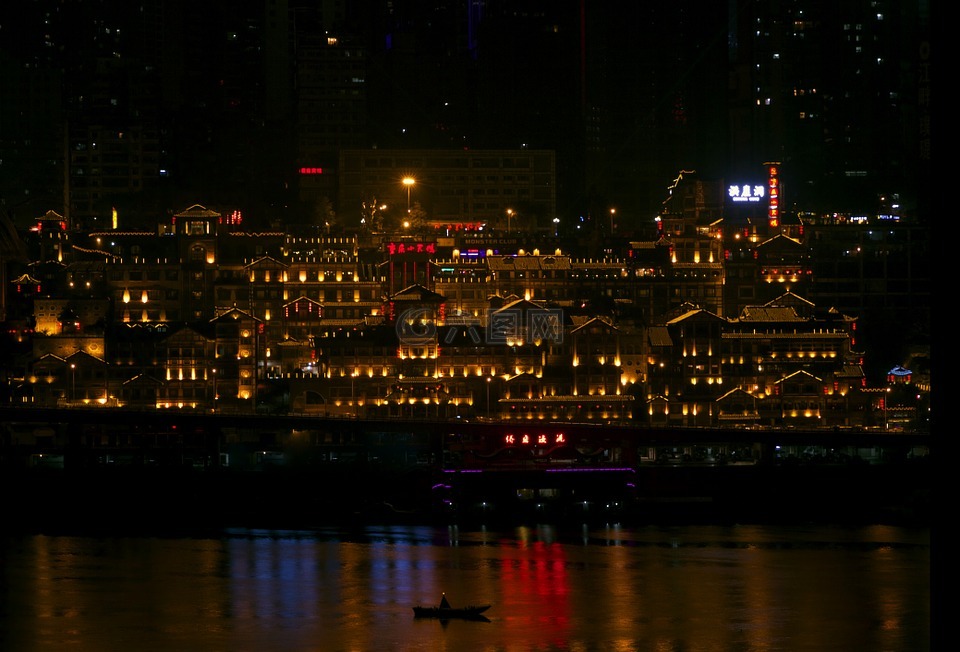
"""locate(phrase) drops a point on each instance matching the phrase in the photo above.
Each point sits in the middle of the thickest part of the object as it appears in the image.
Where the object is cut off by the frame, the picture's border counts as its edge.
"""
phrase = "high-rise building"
(151, 105)
(835, 91)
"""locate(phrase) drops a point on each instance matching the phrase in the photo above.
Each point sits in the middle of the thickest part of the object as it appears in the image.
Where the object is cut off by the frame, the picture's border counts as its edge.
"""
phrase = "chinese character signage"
(773, 191)
(401, 248)
(741, 193)
(540, 439)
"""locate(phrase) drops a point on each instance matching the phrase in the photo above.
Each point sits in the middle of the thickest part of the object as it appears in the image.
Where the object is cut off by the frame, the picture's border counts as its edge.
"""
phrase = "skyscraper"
(153, 105)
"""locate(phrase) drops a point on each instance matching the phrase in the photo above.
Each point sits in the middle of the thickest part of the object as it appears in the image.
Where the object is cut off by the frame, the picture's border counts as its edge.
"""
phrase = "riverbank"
(191, 500)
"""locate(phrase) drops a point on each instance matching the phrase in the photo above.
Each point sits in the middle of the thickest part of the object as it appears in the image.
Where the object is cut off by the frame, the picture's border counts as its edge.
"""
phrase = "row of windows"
(485, 182)
(149, 275)
(226, 296)
(458, 162)
(332, 313)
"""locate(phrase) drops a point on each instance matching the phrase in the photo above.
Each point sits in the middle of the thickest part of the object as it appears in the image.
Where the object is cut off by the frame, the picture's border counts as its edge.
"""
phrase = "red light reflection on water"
(536, 588)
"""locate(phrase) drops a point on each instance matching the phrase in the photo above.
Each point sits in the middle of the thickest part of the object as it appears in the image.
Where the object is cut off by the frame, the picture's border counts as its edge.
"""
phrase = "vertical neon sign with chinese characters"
(773, 194)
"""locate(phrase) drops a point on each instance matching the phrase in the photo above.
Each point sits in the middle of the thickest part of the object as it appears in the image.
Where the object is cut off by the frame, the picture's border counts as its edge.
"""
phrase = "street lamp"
(509, 218)
(556, 226)
(353, 395)
(409, 182)
(488, 395)
(613, 211)
(73, 382)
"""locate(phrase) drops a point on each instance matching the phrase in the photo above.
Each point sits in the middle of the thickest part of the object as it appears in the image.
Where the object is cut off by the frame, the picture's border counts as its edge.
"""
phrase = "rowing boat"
(444, 611)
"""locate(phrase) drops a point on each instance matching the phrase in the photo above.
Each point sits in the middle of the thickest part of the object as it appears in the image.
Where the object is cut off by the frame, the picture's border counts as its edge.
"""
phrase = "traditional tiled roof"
(84, 354)
(521, 304)
(198, 211)
(143, 379)
(684, 316)
(734, 391)
(692, 313)
(780, 239)
(234, 313)
(50, 357)
(84, 254)
(417, 292)
(266, 261)
(659, 336)
(185, 331)
(769, 314)
(596, 321)
(302, 298)
(799, 372)
(850, 371)
(789, 299)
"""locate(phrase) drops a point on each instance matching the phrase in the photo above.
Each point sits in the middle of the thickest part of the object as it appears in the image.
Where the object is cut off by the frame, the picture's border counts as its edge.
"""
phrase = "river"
(577, 588)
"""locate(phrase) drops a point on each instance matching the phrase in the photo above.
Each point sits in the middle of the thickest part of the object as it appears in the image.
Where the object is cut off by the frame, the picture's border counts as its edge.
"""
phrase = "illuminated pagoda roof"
(736, 391)
(417, 293)
(197, 211)
(603, 323)
(769, 314)
(799, 372)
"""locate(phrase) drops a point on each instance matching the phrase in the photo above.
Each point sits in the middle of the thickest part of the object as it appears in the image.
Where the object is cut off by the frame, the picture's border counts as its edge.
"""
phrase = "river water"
(563, 588)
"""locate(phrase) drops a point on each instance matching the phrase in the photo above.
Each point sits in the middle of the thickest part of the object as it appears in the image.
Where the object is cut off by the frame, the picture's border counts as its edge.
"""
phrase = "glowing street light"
(509, 218)
(409, 182)
(489, 411)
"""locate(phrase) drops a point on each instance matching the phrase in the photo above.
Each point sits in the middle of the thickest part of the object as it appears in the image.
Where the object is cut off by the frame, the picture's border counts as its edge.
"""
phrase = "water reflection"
(743, 587)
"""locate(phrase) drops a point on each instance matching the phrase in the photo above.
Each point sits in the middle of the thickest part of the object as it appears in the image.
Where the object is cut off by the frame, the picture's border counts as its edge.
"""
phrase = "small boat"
(444, 611)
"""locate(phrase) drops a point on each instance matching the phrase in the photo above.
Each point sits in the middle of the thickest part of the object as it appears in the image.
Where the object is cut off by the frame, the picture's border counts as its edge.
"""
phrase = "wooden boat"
(444, 611)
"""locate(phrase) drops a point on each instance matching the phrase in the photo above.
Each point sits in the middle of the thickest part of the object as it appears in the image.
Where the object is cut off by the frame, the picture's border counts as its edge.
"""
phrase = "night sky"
(627, 94)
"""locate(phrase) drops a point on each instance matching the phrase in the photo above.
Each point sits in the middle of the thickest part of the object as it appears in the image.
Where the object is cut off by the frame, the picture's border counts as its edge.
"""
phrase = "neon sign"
(526, 439)
(773, 184)
(740, 193)
(394, 248)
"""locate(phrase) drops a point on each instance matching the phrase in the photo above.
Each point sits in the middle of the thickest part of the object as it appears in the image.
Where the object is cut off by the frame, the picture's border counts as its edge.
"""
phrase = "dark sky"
(627, 94)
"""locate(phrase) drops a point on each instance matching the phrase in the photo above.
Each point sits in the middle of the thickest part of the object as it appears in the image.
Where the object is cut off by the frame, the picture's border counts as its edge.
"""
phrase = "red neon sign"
(542, 439)
(394, 248)
(773, 187)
